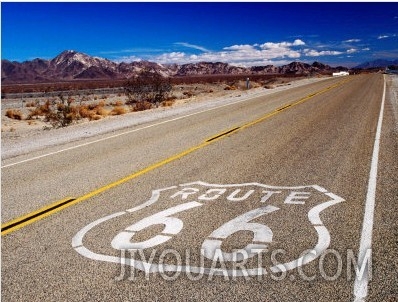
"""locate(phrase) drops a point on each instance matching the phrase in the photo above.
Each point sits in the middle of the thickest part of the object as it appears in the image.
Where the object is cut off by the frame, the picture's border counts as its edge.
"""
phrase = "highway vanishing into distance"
(290, 196)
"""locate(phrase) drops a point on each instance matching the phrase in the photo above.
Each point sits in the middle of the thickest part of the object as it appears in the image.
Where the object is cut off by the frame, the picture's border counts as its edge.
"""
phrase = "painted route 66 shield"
(220, 229)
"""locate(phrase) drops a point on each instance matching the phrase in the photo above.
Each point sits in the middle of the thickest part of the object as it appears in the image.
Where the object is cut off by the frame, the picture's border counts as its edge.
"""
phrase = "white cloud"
(298, 42)
(172, 56)
(315, 53)
(189, 45)
(127, 59)
(382, 37)
(268, 53)
(352, 40)
(271, 45)
(244, 47)
(243, 54)
(132, 50)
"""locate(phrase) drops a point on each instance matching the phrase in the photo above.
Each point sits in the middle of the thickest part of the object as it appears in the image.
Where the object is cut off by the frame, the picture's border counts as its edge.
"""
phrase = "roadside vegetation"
(149, 89)
(146, 91)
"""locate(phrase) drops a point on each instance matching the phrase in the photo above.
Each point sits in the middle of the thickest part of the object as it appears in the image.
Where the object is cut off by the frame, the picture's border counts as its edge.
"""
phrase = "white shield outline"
(313, 216)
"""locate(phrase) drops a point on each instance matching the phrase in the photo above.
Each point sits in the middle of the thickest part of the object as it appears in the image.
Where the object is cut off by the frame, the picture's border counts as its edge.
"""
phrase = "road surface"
(285, 197)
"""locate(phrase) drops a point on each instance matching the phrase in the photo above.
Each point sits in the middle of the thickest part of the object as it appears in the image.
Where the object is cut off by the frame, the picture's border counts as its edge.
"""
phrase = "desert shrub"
(92, 106)
(59, 113)
(168, 103)
(118, 110)
(148, 86)
(84, 112)
(61, 116)
(100, 110)
(32, 104)
(188, 94)
(117, 103)
(141, 106)
(92, 112)
(96, 117)
(101, 103)
(14, 114)
(268, 86)
(40, 110)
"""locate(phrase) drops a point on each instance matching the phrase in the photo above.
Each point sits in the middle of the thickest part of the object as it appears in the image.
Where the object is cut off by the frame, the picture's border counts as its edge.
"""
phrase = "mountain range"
(72, 65)
(377, 64)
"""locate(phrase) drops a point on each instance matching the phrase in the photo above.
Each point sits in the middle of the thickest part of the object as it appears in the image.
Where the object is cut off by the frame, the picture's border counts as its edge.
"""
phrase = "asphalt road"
(262, 200)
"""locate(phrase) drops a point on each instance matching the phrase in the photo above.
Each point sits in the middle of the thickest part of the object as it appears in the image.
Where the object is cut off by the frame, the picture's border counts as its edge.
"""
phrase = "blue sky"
(256, 33)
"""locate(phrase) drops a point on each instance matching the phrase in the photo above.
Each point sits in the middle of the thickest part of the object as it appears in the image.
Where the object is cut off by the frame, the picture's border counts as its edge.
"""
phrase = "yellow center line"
(57, 206)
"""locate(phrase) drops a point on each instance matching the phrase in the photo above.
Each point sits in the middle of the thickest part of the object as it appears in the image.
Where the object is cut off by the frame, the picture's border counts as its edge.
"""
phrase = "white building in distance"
(340, 73)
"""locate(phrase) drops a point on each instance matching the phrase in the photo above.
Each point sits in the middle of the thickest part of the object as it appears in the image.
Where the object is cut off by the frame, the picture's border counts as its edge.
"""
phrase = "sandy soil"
(22, 136)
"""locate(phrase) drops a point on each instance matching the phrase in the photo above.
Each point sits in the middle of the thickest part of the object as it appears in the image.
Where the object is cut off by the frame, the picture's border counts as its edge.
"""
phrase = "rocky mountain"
(380, 63)
(73, 65)
(208, 68)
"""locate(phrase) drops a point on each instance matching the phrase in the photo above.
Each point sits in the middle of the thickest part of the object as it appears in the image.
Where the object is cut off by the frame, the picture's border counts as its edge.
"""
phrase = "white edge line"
(361, 284)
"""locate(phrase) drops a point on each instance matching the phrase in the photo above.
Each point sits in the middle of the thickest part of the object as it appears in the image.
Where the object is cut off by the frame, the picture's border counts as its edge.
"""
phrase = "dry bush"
(117, 103)
(101, 111)
(92, 111)
(167, 103)
(148, 86)
(58, 113)
(14, 114)
(40, 110)
(141, 106)
(74, 113)
(92, 106)
(60, 106)
(86, 112)
(63, 116)
(188, 94)
(269, 86)
(118, 110)
(101, 103)
(230, 88)
(96, 117)
(31, 104)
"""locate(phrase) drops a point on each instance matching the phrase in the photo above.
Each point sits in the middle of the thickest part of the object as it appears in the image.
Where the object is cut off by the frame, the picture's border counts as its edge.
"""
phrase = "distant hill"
(380, 63)
(72, 65)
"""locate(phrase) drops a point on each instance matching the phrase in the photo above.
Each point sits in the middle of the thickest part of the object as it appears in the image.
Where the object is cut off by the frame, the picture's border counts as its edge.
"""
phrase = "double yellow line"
(55, 207)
